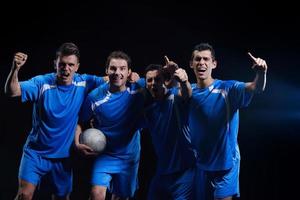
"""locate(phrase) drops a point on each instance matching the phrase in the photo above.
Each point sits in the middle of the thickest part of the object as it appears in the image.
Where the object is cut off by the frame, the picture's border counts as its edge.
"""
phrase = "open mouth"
(64, 74)
(116, 78)
(201, 71)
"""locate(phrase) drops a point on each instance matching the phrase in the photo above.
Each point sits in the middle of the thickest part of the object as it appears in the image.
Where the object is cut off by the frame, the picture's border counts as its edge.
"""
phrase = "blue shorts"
(173, 186)
(58, 172)
(118, 175)
(218, 184)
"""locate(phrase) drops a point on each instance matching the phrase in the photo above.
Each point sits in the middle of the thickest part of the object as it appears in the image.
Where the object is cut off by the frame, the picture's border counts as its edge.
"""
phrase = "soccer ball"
(93, 138)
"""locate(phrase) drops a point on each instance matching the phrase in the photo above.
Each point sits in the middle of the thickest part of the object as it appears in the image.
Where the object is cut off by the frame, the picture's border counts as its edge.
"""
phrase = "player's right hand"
(19, 60)
(85, 150)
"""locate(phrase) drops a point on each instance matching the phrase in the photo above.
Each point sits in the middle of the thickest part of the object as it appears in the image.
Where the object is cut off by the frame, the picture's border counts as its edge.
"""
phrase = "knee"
(97, 194)
(24, 194)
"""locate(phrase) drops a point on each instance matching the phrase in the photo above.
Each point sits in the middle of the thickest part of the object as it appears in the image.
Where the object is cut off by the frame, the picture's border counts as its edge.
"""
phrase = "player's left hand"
(134, 77)
(258, 63)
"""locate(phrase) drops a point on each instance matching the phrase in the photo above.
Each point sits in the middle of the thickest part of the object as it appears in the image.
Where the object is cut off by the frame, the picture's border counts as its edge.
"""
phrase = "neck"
(205, 83)
(162, 94)
(113, 88)
(61, 82)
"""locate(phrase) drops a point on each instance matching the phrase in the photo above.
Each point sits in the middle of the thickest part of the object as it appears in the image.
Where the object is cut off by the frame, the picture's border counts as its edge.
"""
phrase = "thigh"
(61, 177)
(225, 183)
(125, 183)
(101, 179)
(32, 167)
(182, 185)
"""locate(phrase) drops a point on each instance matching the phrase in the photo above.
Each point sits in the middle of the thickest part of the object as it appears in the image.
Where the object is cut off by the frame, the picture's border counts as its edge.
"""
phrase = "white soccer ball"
(93, 138)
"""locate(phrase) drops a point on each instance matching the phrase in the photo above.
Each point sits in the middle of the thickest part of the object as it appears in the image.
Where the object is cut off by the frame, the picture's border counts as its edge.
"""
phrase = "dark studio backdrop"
(269, 134)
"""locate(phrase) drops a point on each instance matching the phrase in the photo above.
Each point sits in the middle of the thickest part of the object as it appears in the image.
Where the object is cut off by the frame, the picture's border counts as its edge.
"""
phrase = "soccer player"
(116, 109)
(214, 120)
(56, 99)
(166, 119)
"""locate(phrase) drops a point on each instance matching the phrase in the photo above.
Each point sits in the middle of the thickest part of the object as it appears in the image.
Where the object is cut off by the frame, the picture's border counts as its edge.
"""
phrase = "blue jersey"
(214, 121)
(167, 122)
(116, 115)
(55, 111)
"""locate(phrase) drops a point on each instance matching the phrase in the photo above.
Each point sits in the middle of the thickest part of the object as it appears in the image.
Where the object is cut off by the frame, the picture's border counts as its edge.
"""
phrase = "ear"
(191, 64)
(54, 64)
(77, 67)
(106, 71)
(215, 64)
(129, 72)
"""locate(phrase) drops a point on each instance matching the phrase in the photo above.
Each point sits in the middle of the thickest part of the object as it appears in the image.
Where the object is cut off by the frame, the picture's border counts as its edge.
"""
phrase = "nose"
(117, 71)
(64, 66)
(201, 61)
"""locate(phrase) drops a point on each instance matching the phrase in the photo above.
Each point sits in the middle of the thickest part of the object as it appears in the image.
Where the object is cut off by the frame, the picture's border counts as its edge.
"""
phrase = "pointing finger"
(166, 59)
(251, 56)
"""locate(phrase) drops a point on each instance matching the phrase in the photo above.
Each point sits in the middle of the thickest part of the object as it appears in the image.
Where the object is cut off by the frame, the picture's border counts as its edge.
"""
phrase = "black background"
(269, 128)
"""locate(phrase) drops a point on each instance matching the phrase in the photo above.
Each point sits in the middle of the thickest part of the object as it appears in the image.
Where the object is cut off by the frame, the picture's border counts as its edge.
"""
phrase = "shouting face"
(66, 67)
(202, 64)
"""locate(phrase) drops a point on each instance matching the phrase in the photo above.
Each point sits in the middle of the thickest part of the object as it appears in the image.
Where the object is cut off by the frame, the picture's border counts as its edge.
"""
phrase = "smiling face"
(66, 67)
(118, 73)
(203, 63)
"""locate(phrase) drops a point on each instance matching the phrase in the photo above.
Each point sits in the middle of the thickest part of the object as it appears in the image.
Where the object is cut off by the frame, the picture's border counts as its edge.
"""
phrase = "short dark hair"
(203, 47)
(153, 67)
(67, 49)
(118, 55)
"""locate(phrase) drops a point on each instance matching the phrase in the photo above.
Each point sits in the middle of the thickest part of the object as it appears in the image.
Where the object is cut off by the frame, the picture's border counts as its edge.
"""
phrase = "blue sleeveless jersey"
(214, 122)
(55, 111)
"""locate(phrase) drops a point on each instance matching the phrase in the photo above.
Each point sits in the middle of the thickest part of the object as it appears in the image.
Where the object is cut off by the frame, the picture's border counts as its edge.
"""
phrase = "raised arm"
(12, 87)
(181, 76)
(259, 82)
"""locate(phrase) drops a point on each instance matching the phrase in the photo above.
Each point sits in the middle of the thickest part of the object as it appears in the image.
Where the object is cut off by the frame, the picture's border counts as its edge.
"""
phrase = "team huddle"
(193, 127)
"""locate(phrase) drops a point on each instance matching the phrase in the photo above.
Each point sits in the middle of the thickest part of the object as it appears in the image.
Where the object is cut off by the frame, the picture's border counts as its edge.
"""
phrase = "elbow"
(11, 94)
(12, 90)
(260, 88)
(256, 87)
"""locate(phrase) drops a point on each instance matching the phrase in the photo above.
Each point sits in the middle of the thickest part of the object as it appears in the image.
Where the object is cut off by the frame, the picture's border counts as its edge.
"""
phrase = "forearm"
(185, 90)
(259, 83)
(12, 86)
(77, 134)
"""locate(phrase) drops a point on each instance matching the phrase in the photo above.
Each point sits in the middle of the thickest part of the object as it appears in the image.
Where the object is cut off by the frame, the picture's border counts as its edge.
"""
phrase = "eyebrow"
(117, 66)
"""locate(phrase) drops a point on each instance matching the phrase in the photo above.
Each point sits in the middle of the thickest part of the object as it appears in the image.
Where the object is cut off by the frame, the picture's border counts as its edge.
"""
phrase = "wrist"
(261, 71)
(184, 81)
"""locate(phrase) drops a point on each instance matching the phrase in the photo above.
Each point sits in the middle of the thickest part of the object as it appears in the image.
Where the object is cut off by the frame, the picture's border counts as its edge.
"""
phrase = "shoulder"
(99, 91)
(81, 77)
(85, 76)
(135, 88)
(227, 83)
(44, 79)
